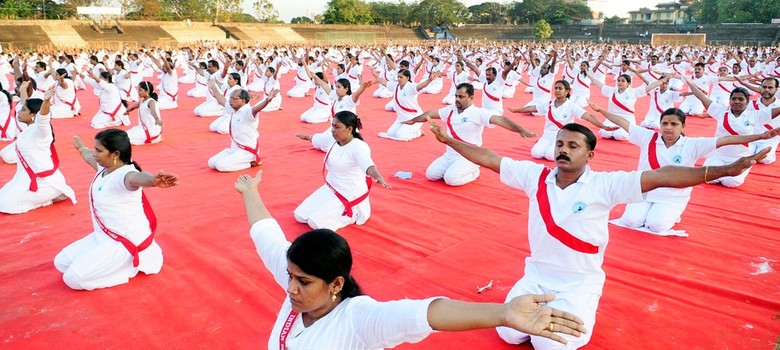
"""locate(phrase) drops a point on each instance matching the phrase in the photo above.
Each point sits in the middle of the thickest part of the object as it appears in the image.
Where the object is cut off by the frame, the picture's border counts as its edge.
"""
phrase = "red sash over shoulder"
(652, 152)
(728, 127)
(620, 105)
(348, 205)
(552, 228)
(132, 248)
(398, 102)
(550, 117)
(39, 175)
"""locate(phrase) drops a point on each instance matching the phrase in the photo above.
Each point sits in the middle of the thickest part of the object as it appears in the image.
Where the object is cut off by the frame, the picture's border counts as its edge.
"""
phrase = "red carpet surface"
(717, 289)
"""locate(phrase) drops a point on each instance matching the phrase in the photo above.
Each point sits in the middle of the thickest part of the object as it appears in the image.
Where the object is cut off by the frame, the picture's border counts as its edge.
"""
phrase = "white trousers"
(655, 216)
(453, 169)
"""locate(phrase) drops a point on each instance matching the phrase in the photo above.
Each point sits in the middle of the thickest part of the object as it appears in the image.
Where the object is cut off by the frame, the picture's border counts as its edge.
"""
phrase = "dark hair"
(236, 77)
(324, 254)
(33, 105)
(345, 83)
(566, 86)
(202, 65)
(117, 140)
(272, 69)
(7, 94)
(148, 87)
(94, 58)
(350, 120)
(119, 63)
(62, 72)
(213, 63)
(740, 90)
(106, 76)
(404, 63)
(406, 73)
(492, 70)
(244, 95)
(626, 77)
(771, 79)
(322, 77)
(469, 88)
(699, 64)
(589, 136)
(41, 64)
(676, 112)
(341, 65)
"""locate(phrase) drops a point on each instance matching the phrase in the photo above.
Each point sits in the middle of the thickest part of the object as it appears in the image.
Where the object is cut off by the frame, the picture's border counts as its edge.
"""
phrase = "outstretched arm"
(620, 121)
(681, 177)
(526, 313)
(374, 173)
(477, 155)
(510, 125)
(135, 179)
(738, 139)
(259, 106)
(85, 152)
(361, 90)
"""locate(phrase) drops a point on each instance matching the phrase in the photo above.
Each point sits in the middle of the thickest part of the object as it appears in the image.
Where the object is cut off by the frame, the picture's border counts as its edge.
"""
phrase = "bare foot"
(303, 136)
(254, 164)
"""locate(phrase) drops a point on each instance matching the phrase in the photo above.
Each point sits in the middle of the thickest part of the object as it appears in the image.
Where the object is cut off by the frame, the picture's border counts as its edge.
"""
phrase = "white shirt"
(468, 125)
(405, 98)
(356, 323)
(243, 128)
(745, 124)
(583, 210)
(684, 152)
(563, 114)
(492, 93)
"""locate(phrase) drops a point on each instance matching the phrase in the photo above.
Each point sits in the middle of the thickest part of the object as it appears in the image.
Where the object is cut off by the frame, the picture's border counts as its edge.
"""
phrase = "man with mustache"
(568, 213)
(769, 92)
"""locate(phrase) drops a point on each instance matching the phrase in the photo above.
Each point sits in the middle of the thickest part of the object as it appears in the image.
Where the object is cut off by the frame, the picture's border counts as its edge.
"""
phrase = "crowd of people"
(556, 300)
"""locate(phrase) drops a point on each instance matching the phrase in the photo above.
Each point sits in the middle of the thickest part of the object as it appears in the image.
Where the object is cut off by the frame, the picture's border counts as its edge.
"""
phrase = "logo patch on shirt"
(578, 207)
(677, 159)
(464, 120)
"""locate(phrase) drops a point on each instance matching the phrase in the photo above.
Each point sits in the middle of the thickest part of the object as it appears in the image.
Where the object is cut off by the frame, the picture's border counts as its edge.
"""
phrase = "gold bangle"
(706, 169)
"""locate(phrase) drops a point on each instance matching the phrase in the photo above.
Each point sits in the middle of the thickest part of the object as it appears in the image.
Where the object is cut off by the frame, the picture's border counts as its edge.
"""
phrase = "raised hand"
(438, 131)
(246, 183)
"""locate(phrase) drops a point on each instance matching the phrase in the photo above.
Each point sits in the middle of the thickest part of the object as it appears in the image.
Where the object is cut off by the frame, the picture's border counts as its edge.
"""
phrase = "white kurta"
(34, 144)
(147, 130)
(97, 260)
(346, 172)
(356, 323)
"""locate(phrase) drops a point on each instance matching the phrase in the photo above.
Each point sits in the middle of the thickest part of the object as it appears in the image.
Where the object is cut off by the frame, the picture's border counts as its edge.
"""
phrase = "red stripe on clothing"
(552, 228)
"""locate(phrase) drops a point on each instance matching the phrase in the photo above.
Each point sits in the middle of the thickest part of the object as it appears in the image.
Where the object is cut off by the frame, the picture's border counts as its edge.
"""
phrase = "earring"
(334, 297)
(114, 161)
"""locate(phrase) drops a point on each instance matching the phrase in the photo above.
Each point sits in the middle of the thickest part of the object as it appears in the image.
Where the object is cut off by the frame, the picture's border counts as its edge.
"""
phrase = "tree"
(389, 12)
(612, 20)
(347, 12)
(488, 13)
(301, 19)
(542, 30)
(553, 11)
(265, 11)
(435, 12)
(528, 11)
(16, 9)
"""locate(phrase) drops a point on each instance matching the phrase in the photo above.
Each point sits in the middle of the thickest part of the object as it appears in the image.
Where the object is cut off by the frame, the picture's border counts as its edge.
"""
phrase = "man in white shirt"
(568, 213)
(465, 122)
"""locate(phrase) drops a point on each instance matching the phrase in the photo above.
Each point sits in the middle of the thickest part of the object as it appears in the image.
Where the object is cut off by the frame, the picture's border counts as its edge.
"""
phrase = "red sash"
(568, 72)
(452, 130)
(298, 76)
(724, 88)
(550, 116)
(113, 114)
(199, 83)
(11, 114)
(149, 137)
(132, 248)
(728, 127)
(579, 80)
(347, 204)
(320, 101)
(657, 105)
(172, 96)
(33, 175)
(72, 104)
(552, 228)
(484, 89)
(755, 105)
(286, 329)
(255, 151)
(541, 87)
(620, 105)
(652, 154)
(398, 102)
(652, 75)
(709, 67)
(352, 76)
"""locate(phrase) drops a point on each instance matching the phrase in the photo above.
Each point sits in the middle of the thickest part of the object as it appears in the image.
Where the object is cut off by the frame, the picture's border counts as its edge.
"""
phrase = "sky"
(289, 9)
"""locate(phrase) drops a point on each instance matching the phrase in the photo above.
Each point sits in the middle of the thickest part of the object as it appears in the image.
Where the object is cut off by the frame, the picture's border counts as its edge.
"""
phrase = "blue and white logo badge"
(747, 123)
(677, 159)
(464, 120)
(578, 207)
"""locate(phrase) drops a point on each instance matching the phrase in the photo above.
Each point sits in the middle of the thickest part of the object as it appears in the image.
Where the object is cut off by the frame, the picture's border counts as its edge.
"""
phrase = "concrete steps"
(63, 35)
(194, 33)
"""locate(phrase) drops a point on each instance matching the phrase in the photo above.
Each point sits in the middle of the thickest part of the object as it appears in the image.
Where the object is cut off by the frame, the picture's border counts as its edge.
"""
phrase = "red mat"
(703, 292)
